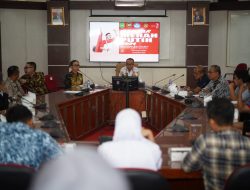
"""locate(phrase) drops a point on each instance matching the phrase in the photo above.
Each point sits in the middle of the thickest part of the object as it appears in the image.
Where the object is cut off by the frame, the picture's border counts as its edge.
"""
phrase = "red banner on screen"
(139, 37)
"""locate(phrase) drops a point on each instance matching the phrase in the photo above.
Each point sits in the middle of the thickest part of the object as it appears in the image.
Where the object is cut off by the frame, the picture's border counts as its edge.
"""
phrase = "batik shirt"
(218, 88)
(35, 83)
(218, 154)
(20, 144)
(14, 88)
(72, 80)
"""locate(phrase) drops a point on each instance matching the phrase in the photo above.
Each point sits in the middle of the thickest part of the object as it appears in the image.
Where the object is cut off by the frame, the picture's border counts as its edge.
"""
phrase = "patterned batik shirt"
(35, 83)
(218, 88)
(217, 154)
(73, 80)
(14, 88)
(20, 144)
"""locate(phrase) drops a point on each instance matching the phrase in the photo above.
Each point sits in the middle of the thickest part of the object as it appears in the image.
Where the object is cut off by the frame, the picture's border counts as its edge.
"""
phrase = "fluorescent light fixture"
(130, 3)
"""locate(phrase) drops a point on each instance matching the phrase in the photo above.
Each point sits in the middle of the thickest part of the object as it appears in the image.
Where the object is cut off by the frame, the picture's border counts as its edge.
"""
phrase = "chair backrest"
(141, 179)
(239, 179)
(119, 66)
(246, 128)
(14, 176)
(51, 83)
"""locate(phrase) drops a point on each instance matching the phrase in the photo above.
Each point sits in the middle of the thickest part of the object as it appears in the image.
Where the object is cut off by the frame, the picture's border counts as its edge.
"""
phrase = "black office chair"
(246, 128)
(244, 116)
(15, 177)
(239, 179)
(141, 179)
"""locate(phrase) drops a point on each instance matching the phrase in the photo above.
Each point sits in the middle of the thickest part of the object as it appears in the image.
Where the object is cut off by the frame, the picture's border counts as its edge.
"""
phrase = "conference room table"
(82, 115)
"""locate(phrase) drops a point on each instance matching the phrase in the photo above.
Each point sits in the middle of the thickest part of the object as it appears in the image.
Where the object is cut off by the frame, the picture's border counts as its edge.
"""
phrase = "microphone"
(92, 85)
(178, 78)
(157, 88)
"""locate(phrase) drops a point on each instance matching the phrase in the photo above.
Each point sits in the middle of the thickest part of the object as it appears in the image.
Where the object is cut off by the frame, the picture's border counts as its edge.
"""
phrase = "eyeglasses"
(27, 67)
(76, 65)
(211, 71)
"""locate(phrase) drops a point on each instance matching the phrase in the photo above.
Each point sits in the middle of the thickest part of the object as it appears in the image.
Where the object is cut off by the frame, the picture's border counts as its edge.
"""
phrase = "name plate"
(178, 153)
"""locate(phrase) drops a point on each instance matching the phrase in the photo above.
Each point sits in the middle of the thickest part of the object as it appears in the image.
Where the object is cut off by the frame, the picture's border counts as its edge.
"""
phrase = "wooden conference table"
(82, 115)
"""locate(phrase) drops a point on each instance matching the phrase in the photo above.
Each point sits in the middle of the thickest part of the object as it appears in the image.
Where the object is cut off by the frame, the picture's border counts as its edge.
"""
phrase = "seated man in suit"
(74, 77)
(220, 151)
(129, 69)
(21, 144)
(218, 87)
(33, 81)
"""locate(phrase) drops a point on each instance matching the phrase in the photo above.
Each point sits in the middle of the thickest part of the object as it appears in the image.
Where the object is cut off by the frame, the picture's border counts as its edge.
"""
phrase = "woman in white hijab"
(82, 169)
(129, 148)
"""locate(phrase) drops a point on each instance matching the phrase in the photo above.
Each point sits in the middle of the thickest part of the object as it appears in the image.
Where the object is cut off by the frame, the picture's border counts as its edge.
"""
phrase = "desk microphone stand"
(126, 80)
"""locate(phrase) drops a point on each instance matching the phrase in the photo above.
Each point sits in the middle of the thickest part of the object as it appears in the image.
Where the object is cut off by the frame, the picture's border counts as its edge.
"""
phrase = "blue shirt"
(20, 144)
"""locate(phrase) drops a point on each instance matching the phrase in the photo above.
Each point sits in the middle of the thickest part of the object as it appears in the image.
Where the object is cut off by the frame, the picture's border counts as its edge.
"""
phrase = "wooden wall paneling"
(197, 55)
(58, 41)
(69, 121)
(106, 104)
(197, 34)
(92, 111)
(170, 112)
(137, 100)
(100, 111)
(154, 110)
(164, 114)
(149, 107)
(78, 122)
(59, 55)
(85, 116)
(197, 39)
(158, 113)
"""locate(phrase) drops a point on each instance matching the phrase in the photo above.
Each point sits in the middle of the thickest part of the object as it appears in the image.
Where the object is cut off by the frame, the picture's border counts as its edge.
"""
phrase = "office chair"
(15, 177)
(142, 179)
(239, 179)
(246, 128)
(51, 83)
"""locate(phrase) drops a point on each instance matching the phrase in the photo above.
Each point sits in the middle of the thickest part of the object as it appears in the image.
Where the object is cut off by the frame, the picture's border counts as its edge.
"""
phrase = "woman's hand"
(147, 133)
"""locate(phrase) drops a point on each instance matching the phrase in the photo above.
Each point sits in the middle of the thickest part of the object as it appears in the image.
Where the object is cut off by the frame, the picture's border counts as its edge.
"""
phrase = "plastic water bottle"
(88, 84)
(170, 82)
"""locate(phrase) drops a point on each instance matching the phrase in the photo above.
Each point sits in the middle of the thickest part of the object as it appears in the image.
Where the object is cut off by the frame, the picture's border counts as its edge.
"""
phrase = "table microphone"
(178, 77)
(93, 84)
(157, 88)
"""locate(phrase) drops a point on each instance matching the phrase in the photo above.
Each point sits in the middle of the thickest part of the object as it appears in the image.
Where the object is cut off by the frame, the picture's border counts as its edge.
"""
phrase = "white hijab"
(78, 170)
(129, 149)
(128, 126)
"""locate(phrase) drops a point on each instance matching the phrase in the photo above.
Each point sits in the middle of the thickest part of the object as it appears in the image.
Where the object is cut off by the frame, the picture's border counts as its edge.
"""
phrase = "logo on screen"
(129, 25)
(122, 25)
(145, 25)
(137, 25)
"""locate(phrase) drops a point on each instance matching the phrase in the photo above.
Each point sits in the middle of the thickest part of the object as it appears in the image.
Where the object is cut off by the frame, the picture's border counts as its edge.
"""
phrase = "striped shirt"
(218, 88)
(217, 154)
